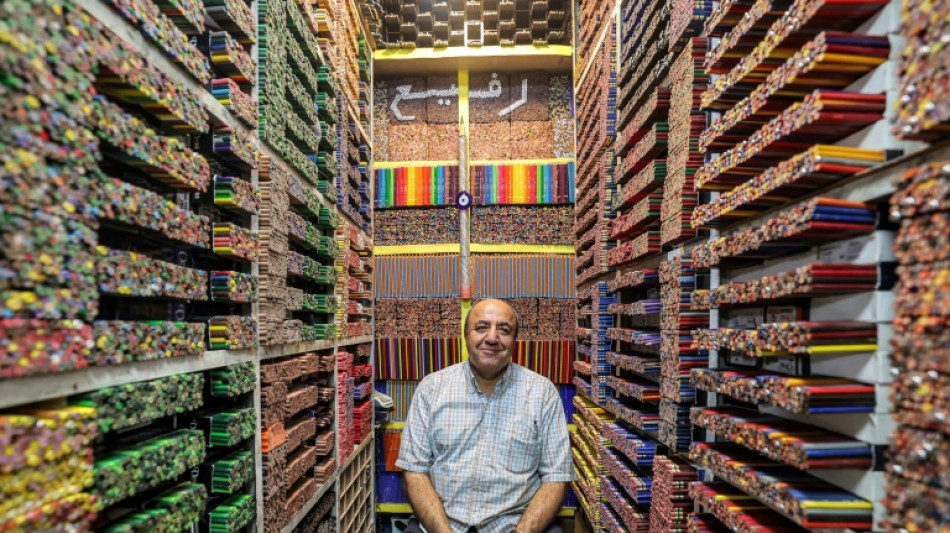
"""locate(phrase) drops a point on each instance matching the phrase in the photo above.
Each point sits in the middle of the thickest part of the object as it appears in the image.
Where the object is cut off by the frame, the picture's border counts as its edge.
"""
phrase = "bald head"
(480, 306)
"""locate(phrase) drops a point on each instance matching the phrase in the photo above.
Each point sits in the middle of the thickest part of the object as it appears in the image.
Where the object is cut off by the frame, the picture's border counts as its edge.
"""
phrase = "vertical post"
(465, 255)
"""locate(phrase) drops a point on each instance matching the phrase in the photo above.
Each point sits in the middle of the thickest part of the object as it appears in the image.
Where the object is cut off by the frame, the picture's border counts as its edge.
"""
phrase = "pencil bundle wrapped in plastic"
(231, 515)
(128, 471)
(173, 510)
(230, 473)
(237, 194)
(229, 59)
(635, 518)
(816, 220)
(140, 207)
(637, 486)
(814, 279)
(671, 503)
(231, 96)
(234, 17)
(231, 240)
(799, 395)
(235, 287)
(805, 499)
(231, 427)
(142, 402)
(233, 380)
(134, 274)
(33, 436)
(232, 332)
(744, 513)
(636, 449)
(799, 445)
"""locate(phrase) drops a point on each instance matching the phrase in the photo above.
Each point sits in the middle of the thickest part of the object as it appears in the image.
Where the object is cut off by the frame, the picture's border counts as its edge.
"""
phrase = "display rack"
(208, 256)
(733, 182)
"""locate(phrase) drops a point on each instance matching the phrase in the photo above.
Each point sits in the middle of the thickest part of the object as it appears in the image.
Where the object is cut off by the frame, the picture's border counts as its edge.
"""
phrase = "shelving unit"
(618, 101)
(151, 66)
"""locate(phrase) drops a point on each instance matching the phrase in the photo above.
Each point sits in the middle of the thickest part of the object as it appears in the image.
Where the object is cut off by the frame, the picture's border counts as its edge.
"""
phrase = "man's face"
(490, 337)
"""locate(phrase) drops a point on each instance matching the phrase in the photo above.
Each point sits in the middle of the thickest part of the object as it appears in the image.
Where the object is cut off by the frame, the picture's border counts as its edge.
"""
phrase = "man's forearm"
(543, 508)
(426, 503)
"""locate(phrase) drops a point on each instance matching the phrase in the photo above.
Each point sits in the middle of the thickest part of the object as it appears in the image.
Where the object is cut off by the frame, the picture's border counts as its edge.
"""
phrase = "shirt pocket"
(522, 448)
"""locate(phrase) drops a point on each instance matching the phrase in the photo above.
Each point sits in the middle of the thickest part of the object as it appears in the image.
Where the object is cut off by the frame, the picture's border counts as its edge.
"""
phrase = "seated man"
(485, 447)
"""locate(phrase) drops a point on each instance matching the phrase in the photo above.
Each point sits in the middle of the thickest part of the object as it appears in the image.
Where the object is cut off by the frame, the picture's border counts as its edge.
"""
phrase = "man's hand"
(543, 508)
(425, 502)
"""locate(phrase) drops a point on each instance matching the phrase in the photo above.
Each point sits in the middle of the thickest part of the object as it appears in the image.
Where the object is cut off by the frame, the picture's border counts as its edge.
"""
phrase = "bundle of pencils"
(823, 116)
(636, 449)
(817, 220)
(742, 512)
(240, 149)
(129, 405)
(638, 390)
(229, 428)
(633, 517)
(118, 342)
(229, 473)
(229, 59)
(127, 471)
(232, 332)
(229, 94)
(830, 60)
(174, 510)
(234, 287)
(675, 431)
(647, 367)
(800, 445)
(806, 395)
(236, 194)
(816, 167)
(233, 381)
(802, 19)
(136, 206)
(814, 279)
(803, 498)
(642, 417)
(637, 487)
(671, 503)
(133, 274)
(802, 337)
(232, 515)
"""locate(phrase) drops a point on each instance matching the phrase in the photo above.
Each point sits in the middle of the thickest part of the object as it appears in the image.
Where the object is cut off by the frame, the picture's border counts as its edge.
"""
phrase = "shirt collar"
(473, 385)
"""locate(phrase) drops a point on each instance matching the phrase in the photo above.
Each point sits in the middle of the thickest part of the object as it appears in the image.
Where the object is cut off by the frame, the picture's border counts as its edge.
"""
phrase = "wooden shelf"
(398, 62)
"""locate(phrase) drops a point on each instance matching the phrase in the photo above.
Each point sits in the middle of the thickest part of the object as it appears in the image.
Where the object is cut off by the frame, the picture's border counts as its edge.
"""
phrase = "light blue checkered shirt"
(486, 456)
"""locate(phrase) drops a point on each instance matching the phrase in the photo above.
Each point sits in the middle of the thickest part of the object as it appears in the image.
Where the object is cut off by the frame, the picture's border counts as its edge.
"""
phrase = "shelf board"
(283, 350)
(414, 249)
(28, 389)
(410, 62)
(553, 249)
(413, 164)
(475, 248)
(351, 341)
(550, 161)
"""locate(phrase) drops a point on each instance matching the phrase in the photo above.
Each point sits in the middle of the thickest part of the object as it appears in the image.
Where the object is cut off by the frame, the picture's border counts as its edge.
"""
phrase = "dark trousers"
(414, 527)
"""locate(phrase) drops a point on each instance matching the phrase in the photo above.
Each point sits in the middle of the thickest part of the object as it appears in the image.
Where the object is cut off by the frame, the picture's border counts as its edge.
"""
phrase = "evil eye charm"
(463, 200)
